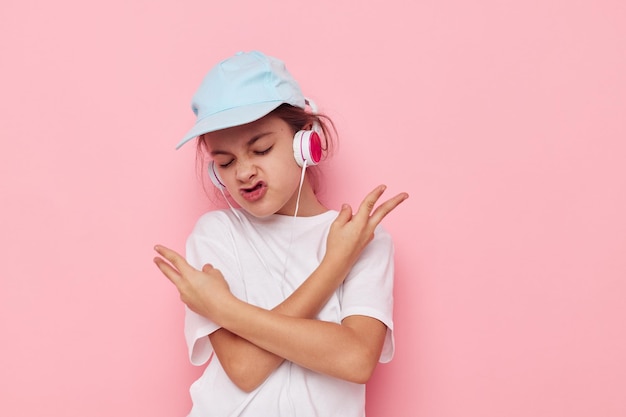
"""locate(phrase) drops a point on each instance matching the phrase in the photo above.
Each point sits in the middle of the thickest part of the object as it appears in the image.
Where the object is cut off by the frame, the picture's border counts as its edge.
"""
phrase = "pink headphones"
(307, 147)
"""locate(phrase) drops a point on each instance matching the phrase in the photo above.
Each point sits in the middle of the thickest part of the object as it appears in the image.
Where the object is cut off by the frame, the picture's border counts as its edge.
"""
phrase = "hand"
(203, 291)
(349, 234)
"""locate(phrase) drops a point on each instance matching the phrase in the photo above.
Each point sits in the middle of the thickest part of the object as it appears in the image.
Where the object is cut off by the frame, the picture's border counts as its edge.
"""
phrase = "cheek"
(288, 170)
(283, 163)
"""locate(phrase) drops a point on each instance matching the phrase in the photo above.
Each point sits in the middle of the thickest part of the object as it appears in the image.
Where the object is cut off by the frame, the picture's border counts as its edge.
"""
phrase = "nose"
(246, 170)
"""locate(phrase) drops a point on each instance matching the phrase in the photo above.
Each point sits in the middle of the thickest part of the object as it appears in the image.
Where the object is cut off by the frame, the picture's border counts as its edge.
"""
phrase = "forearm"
(249, 365)
(311, 296)
(246, 364)
(348, 351)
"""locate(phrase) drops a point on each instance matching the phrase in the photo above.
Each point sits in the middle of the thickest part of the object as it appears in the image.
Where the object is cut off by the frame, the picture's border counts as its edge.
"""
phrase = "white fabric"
(253, 255)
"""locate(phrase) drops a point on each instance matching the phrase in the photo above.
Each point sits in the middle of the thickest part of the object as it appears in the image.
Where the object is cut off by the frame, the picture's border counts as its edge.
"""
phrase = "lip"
(255, 192)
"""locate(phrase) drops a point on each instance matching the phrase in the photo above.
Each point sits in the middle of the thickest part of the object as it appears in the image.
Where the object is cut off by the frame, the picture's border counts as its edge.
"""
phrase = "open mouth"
(255, 192)
(258, 186)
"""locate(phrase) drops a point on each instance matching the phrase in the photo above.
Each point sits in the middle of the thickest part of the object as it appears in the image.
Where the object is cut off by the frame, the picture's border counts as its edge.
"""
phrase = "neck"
(309, 204)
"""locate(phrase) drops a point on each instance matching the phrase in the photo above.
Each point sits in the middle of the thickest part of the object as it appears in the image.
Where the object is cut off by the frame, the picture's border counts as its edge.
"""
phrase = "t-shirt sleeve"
(368, 289)
(210, 242)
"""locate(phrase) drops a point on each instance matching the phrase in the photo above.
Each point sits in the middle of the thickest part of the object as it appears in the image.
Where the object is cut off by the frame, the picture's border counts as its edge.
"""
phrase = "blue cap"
(240, 90)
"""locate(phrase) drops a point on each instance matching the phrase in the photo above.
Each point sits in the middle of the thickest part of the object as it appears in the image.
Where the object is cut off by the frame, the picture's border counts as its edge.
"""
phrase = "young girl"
(290, 303)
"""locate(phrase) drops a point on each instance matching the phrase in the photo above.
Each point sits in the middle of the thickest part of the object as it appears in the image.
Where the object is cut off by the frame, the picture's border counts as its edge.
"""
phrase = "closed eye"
(226, 164)
(265, 152)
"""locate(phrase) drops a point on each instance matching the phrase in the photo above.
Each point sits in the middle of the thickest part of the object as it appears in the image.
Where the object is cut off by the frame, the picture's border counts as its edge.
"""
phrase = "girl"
(290, 303)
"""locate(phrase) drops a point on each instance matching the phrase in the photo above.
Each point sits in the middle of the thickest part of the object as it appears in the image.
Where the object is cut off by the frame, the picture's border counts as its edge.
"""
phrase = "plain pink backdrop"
(503, 120)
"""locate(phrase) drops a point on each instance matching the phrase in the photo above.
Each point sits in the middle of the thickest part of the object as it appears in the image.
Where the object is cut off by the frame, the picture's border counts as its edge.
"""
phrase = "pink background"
(503, 120)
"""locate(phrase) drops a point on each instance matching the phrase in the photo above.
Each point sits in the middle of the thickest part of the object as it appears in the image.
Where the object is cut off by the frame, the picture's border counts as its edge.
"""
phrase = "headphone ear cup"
(215, 177)
(307, 146)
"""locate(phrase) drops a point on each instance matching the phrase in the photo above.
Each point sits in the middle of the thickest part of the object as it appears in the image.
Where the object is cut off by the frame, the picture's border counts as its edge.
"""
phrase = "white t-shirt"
(264, 261)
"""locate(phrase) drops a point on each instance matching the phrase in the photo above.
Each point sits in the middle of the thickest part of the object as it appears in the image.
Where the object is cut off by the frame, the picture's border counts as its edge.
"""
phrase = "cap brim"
(229, 118)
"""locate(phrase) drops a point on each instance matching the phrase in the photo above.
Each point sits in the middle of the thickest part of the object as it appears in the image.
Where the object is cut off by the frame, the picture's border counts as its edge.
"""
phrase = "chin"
(260, 215)
(258, 211)
(267, 206)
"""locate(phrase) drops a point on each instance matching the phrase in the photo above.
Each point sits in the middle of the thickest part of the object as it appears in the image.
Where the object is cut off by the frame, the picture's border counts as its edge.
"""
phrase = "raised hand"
(350, 233)
(202, 291)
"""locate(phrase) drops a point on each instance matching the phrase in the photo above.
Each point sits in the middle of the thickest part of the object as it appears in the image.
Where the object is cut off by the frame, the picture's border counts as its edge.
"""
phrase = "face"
(255, 161)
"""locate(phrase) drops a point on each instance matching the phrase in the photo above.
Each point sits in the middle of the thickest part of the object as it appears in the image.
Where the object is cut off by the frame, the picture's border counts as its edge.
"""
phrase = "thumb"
(207, 268)
(345, 214)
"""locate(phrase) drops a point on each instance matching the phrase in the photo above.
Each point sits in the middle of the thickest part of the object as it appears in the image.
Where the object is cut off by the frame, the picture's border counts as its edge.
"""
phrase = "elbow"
(361, 367)
(243, 378)
(246, 386)
(363, 375)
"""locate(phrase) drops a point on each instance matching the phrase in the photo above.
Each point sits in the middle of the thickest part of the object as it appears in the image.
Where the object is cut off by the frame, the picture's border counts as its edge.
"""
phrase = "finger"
(167, 270)
(369, 202)
(385, 208)
(207, 268)
(173, 257)
(345, 214)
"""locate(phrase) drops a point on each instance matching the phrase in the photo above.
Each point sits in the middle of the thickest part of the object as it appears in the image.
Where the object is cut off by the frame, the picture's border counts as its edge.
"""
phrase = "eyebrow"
(249, 143)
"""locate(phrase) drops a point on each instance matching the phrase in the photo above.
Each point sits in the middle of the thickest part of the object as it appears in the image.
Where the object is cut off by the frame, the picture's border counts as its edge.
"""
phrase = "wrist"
(214, 308)
(335, 266)
(225, 309)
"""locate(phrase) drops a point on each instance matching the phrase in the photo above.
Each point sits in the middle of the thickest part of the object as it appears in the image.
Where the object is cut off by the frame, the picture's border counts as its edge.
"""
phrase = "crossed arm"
(252, 341)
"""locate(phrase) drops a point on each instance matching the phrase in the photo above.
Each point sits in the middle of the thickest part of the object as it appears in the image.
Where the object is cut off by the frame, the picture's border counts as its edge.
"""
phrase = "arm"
(248, 364)
(348, 351)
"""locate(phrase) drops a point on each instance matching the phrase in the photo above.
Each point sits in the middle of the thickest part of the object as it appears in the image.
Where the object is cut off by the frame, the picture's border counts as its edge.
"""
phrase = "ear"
(308, 126)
